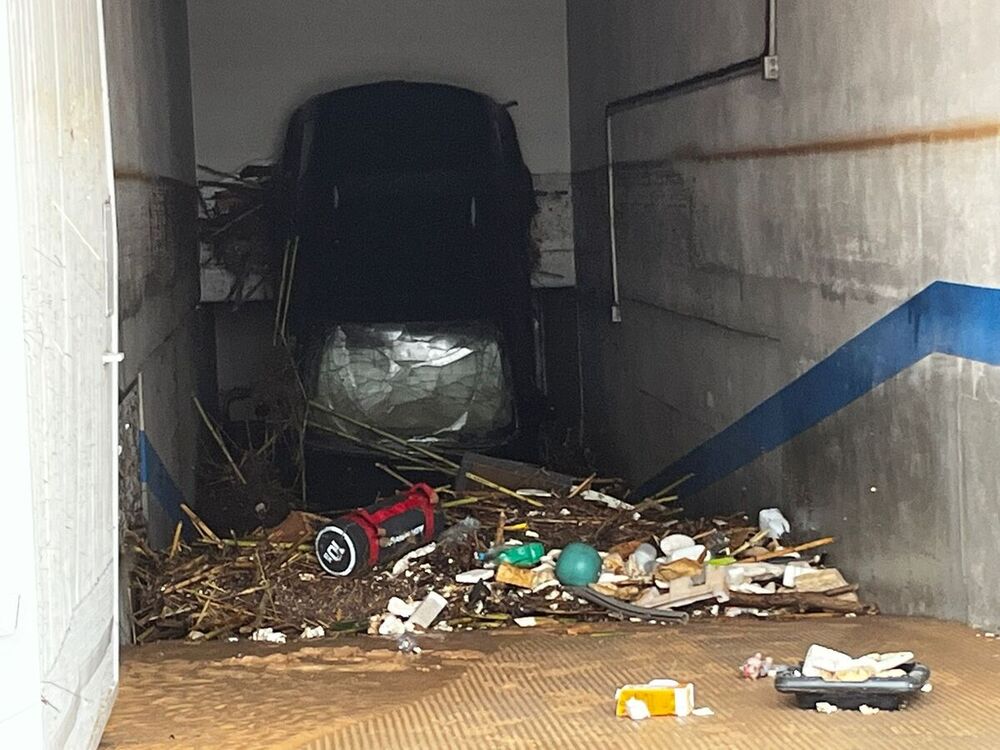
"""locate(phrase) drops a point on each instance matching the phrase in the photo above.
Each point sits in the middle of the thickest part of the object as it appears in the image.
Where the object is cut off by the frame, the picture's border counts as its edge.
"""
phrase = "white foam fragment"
(268, 635)
(637, 709)
(474, 576)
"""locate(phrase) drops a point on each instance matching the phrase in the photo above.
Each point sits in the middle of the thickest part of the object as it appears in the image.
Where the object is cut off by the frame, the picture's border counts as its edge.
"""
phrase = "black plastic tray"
(889, 693)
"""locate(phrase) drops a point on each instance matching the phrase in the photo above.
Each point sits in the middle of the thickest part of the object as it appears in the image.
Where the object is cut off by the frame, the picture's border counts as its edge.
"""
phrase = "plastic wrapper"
(435, 381)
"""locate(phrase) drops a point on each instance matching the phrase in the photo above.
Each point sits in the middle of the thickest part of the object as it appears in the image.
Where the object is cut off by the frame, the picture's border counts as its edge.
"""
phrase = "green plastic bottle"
(523, 555)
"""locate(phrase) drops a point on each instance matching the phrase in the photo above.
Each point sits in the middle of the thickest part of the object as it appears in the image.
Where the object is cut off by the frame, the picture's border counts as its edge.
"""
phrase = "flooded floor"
(543, 688)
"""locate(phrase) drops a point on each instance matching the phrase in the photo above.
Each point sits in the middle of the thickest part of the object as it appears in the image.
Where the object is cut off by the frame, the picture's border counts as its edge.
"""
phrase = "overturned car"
(411, 307)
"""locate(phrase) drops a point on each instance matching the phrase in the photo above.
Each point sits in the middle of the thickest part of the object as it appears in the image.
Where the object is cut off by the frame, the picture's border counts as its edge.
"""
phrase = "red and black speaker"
(379, 533)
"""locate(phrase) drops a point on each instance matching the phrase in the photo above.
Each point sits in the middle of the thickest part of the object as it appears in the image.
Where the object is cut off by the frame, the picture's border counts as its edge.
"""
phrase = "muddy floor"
(543, 689)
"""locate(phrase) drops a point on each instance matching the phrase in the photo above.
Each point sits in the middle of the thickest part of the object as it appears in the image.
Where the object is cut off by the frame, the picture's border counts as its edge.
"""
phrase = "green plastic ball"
(578, 565)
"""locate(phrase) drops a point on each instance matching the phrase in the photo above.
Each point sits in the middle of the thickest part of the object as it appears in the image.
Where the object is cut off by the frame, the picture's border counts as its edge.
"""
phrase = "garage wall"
(254, 61)
(760, 226)
(153, 142)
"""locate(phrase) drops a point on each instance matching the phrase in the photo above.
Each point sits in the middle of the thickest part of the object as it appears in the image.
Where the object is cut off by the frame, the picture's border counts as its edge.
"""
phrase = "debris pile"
(252, 465)
(236, 231)
(507, 553)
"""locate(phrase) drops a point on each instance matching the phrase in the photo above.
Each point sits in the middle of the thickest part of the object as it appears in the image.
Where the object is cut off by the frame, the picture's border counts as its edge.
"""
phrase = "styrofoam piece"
(693, 552)
(475, 576)
(401, 609)
(673, 542)
(428, 610)
(391, 625)
(269, 635)
(404, 562)
(637, 709)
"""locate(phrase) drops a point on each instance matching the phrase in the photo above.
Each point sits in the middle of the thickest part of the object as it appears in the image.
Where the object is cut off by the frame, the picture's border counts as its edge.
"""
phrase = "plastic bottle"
(523, 555)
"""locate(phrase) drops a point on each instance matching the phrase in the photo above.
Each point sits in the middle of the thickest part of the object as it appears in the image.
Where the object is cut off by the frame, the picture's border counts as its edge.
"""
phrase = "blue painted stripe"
(946, 318)
(154, 474)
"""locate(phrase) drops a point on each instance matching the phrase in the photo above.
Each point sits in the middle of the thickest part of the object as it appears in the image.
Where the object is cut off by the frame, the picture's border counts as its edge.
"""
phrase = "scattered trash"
(428, 610)
(642, 560)
(755, 588)
(474, 576)
(632, 611)
(611, 502)
(819, 581)
(703, 711)
(674, 542)
(461, 533)
(867, 710)
(268, 635)
(523, 555)
(695, 552)
(408, 644)
(882, 681)
(680, 568)
(636, 709)
(660, 697)
(389, 625)
(757, 666)
(404, 562)
(579, 564)
(792, 571)
(402, 610)
(773, 523)
(513, 475)
(308, 633)
(826, 708)
(525, 622)
(927, 687)
(837, 666)
(513, 576)
(234, 231)
(680, 592)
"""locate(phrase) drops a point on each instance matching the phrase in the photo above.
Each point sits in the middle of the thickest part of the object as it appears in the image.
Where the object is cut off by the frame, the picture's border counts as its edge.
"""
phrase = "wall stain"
(957, 132)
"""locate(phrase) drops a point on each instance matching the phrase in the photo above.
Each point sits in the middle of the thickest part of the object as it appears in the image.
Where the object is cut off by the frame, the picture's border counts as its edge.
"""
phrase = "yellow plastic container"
(662, 698)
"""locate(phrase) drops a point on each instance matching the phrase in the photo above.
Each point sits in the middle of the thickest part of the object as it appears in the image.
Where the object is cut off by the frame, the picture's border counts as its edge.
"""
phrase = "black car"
(411, 304)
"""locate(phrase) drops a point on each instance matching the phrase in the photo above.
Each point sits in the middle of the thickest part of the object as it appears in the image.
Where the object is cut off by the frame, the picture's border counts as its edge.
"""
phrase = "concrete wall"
(762, 224)
(154, 161)
(254, 61)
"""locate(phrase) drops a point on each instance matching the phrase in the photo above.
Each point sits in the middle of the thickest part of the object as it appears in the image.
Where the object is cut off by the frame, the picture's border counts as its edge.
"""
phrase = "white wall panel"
(68, 289)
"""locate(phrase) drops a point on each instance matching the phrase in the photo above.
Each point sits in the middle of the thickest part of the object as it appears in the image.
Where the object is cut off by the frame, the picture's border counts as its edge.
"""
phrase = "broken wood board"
(513, 475)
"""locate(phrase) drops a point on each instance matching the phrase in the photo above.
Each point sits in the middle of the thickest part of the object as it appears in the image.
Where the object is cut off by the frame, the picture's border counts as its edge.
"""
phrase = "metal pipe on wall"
(766, 62)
